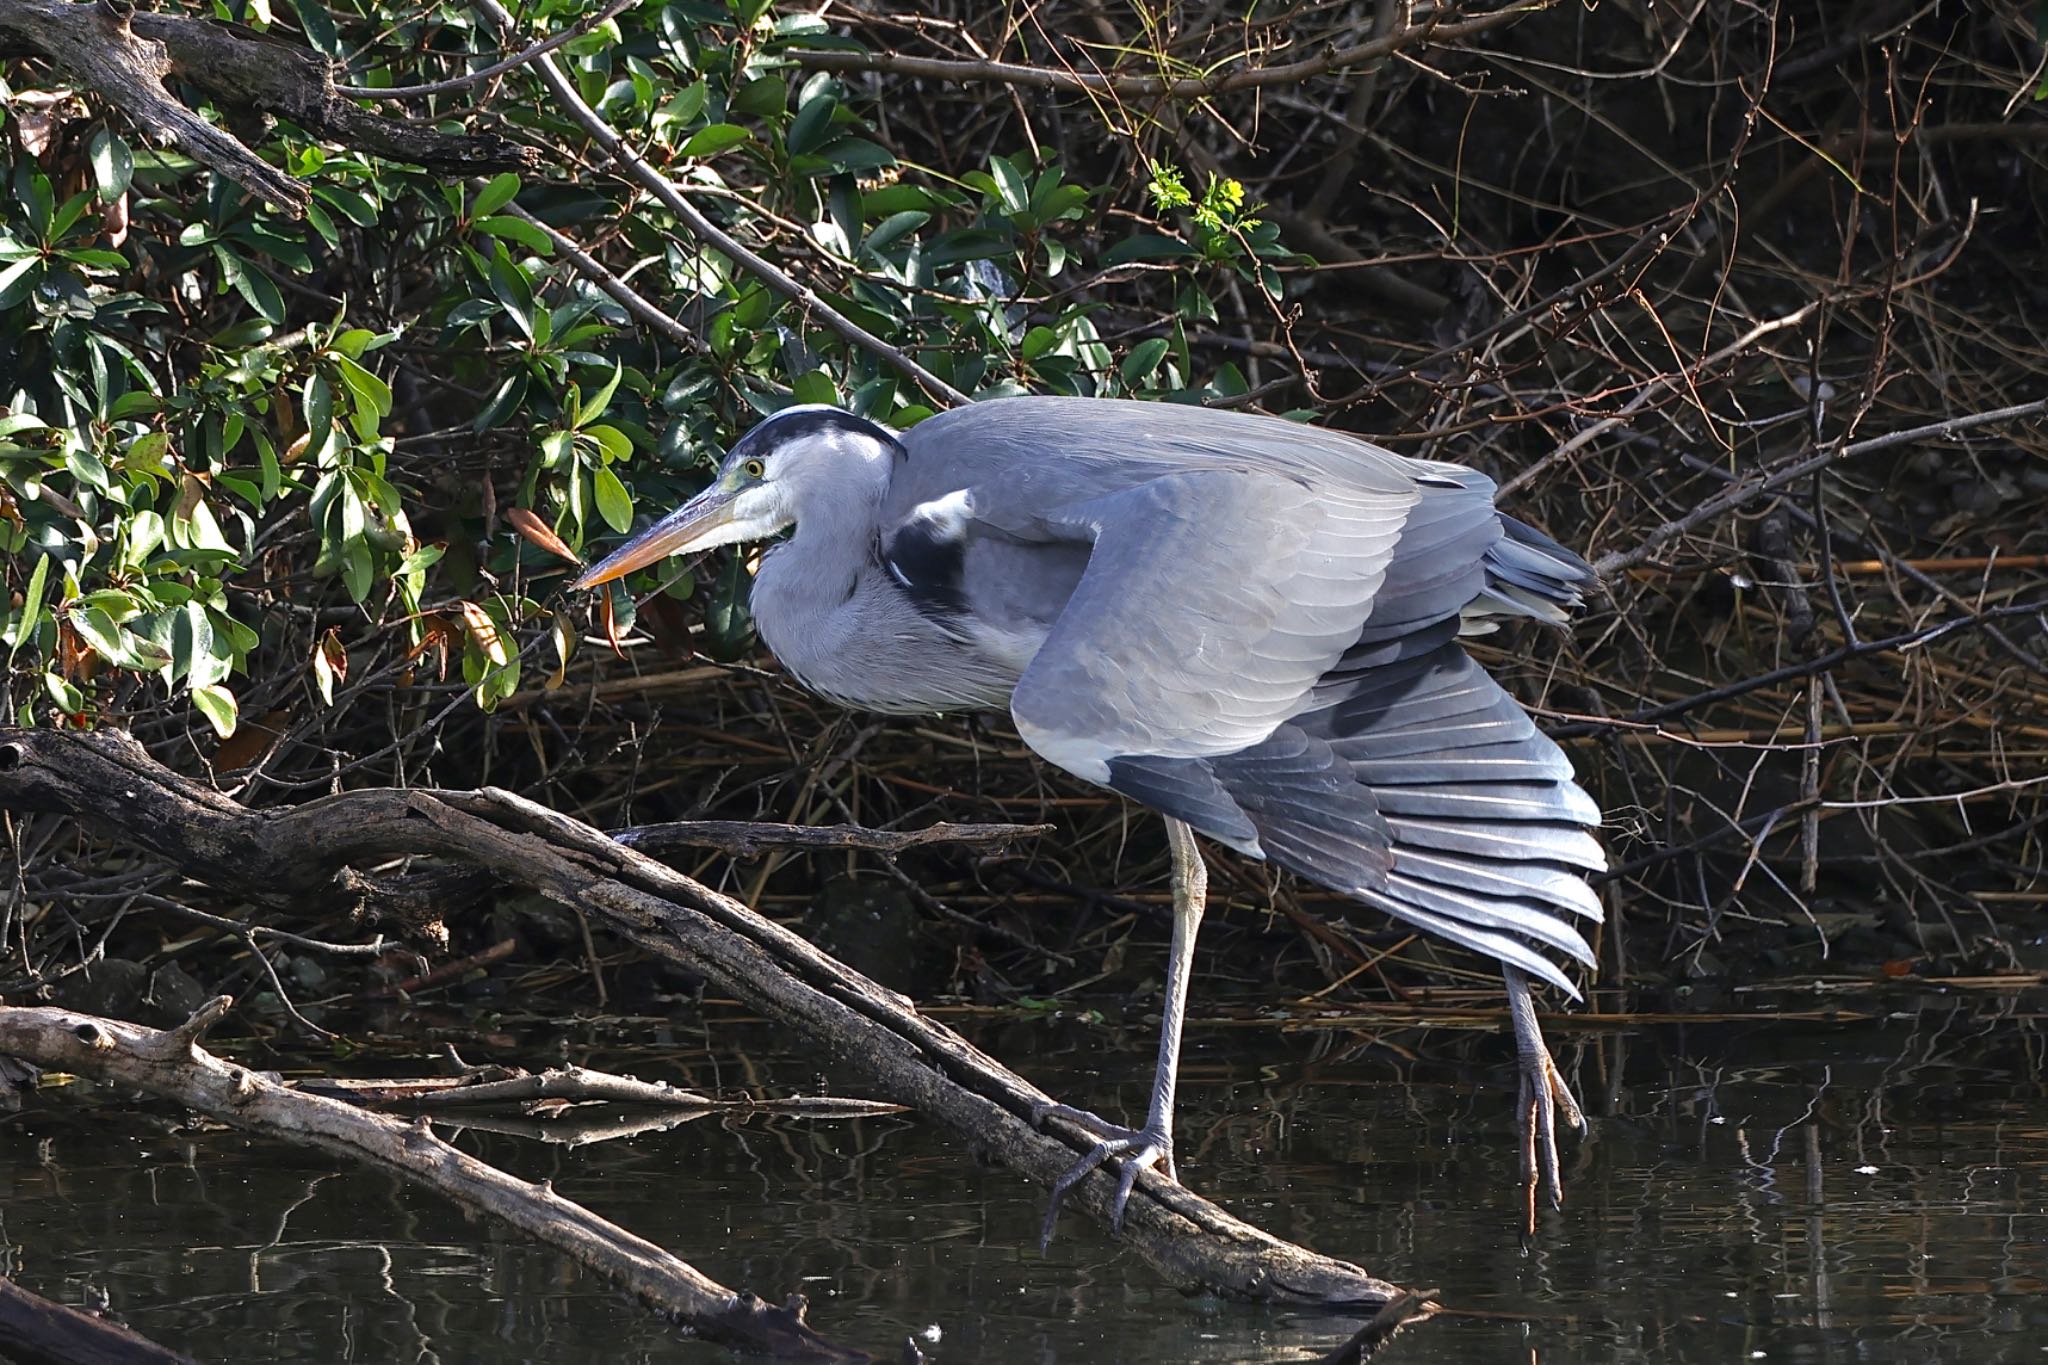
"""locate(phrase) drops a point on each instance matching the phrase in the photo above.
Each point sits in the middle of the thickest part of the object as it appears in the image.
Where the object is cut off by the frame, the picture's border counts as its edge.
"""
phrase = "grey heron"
(1247, 624)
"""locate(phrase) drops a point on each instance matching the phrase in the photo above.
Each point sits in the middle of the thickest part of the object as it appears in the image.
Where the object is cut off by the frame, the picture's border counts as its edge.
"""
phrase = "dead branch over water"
(171, 1064)
(274, 856)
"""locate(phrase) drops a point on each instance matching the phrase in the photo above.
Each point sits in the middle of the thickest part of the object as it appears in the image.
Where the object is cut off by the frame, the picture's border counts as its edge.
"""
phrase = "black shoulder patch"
(928, 562)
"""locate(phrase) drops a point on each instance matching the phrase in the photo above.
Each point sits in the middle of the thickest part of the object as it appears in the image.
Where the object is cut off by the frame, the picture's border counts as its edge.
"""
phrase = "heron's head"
(789, 461)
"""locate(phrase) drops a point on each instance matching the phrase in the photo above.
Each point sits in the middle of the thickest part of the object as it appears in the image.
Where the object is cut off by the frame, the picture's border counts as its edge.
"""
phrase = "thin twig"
(567, 35)
(783, 283)
(1432, 28)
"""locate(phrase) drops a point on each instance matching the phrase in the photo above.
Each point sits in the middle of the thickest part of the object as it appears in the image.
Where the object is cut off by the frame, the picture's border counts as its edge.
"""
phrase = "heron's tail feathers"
(1490, 837)
(1528, 574)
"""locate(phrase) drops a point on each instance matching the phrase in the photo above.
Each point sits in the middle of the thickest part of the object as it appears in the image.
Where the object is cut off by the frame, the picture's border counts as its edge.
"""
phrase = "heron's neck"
(837, 508)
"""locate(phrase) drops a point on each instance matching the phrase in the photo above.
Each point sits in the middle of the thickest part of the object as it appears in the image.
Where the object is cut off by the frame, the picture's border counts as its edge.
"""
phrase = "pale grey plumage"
(1247, 624)
(1150, 586)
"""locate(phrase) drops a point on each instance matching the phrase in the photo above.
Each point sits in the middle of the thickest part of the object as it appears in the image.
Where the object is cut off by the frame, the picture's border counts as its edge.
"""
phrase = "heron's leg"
(1152, 1144)
(1544, 1095)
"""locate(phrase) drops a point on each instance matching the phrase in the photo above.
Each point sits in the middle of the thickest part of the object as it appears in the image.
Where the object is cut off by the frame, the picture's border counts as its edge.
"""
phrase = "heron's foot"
(1134, 1148)
(1544, 1096)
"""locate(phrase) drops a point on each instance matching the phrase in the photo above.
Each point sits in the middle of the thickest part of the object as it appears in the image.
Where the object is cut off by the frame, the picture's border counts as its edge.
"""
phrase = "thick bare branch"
(107, 781)
(96, 44)
(125, 55)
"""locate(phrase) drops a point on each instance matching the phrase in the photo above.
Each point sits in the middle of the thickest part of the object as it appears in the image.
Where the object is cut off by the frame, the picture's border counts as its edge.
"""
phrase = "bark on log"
(36, 1331)
(171, 1063)
(266, 856)
(126, 54)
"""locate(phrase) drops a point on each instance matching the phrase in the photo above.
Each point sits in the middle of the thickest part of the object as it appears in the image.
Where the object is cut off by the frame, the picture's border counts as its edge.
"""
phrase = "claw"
(1135, 1148)
(1543, 1095)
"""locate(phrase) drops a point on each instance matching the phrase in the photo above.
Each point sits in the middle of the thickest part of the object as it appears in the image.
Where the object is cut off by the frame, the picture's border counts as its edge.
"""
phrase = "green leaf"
(202, 532)
(31, 605)
(715, 138)
(853, 155)
(351, 205)
(319, 27)
(594, 409)
(217, 704)
(1016, 196)
(814, 387)
(97, 629)
(85, 467)
(555, 449)
(18, 279)
(367, 389)
(683, 107)
(191, 639)
(253, 285)
(68, 698)
(509, 283)
(495, 195)
(812, 124)
(517, 230)
(357, 572)
(503, 403)
(113, 165)
(1143, 360)
(615, 444)
(318, 405)
(763, 96)
(613, 502)
(894, 226)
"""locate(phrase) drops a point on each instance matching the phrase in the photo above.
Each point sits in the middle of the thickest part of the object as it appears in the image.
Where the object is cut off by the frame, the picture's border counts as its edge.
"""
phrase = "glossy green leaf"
(218, 705)
(494, 196)
(715, 138)
(614, 504)
(113, 165)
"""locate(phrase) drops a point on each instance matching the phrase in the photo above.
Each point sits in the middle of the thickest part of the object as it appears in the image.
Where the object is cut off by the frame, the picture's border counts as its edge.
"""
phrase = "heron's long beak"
(674, 534)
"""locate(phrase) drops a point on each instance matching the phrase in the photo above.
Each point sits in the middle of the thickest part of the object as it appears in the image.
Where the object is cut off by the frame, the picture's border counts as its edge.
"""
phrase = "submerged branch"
(173, 1065)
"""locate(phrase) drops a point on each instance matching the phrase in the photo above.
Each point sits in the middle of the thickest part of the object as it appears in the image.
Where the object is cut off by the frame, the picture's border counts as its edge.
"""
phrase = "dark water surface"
(1756, 1190)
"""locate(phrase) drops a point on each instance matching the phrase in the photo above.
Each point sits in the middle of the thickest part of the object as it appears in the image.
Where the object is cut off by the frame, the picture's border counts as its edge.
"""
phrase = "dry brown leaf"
(538, 531)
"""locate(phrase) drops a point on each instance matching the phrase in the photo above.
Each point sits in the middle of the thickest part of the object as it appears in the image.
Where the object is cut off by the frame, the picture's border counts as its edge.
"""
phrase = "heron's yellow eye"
(753, 469)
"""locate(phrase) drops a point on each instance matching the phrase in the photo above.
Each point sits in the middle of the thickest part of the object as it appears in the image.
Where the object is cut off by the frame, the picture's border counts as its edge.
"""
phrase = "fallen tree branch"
(37, 1331)
(171, 1064)
(97, 45)
(126, 55)
(572, 1085)
(107, 781)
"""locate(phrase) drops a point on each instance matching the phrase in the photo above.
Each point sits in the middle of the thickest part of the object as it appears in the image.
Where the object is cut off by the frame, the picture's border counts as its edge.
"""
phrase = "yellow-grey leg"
(1151, 1145)
(1543, 1096)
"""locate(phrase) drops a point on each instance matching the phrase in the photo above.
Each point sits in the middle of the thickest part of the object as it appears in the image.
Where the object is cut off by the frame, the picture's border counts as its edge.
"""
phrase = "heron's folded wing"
(1213, 600)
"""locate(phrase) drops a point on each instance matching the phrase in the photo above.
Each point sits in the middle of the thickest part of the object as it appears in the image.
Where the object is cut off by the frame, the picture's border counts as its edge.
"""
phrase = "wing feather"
(1213, 601)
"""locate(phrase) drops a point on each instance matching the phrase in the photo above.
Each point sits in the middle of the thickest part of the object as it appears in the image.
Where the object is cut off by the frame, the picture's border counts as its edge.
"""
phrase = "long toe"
(1544, 1095)
(1133, 1149)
